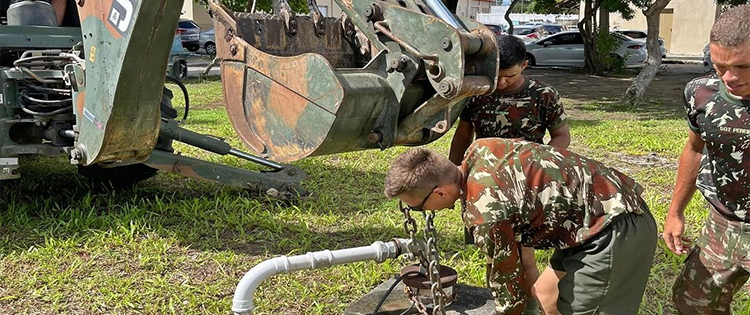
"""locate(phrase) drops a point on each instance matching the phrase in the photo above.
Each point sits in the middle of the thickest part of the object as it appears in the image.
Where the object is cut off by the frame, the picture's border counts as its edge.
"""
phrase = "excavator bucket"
(387, 74)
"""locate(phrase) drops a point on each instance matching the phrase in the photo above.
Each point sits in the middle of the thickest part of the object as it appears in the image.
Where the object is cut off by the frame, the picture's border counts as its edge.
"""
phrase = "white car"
(641, 36)
(566, 49)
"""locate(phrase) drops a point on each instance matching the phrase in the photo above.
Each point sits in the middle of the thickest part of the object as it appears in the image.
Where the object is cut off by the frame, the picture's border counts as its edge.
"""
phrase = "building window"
(323, 10)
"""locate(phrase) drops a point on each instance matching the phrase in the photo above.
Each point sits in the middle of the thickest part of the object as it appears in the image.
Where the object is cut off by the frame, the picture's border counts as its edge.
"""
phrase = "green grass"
(174, 245)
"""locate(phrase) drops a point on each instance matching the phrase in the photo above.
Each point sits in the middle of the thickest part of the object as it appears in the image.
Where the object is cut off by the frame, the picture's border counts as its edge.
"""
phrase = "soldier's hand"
(673, 229)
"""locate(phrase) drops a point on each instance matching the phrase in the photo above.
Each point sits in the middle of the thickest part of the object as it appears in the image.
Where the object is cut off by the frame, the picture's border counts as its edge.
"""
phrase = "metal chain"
(414, 297)
(428, 257)
(436, 287)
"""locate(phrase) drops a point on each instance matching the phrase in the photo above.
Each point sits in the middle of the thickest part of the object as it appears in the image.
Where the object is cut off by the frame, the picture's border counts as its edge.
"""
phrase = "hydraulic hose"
(185, 94)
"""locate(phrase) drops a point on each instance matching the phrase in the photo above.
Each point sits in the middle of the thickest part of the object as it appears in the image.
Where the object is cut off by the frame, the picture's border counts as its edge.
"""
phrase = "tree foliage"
(732, 2)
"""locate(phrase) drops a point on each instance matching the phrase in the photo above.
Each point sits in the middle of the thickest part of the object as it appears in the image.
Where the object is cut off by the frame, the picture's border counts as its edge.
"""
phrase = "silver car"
(566, 49)
(207, 42)
(189, 33)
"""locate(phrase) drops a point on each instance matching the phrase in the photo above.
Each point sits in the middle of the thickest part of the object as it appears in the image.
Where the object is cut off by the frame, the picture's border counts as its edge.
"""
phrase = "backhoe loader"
(91, 87)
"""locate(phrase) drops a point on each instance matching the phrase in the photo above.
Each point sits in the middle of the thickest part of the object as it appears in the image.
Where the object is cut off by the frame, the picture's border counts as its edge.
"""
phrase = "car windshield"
(622, 37)
(553, 28)
(523, 31)
(634, 34)
(187, 24)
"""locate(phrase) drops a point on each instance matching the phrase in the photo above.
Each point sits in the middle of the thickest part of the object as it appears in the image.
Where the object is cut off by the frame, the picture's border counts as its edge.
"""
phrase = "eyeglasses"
(419, 207)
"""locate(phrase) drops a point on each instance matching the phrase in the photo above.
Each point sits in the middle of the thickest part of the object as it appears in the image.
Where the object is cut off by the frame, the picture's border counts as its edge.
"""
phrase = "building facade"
(192, 10)
(685, 25)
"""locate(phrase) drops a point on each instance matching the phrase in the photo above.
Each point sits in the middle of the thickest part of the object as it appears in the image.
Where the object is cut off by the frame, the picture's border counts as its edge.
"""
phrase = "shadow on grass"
(52, 200)
(648, 111)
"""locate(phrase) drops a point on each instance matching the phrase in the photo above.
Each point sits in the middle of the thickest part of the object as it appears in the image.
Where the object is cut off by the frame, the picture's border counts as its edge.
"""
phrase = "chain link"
(428, 255)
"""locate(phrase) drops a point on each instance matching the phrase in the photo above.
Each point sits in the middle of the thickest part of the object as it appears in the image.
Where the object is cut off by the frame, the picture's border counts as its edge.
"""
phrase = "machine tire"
(531, 59)
(128, 175)
(116, 177)
(211, 48)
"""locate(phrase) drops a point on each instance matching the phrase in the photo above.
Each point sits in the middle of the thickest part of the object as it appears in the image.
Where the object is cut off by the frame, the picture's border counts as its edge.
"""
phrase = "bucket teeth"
(318, 21)
(282, 8)
(325, 36)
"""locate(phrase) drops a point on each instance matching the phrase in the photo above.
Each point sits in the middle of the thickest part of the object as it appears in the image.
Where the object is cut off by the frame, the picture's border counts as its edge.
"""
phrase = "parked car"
(530, 32)
(498, 29)
(566, 49)
(553, 28)
(641, 36)
(189, 34)
(207, 42)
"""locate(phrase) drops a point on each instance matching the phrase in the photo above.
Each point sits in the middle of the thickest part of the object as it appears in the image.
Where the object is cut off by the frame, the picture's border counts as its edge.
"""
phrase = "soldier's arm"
(560, 136)
(556, 120)
(505, 273)
(461, 141)
(687, 172)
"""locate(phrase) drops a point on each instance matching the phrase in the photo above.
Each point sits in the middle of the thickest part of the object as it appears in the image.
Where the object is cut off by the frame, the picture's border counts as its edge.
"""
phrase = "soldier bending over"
(516, 193)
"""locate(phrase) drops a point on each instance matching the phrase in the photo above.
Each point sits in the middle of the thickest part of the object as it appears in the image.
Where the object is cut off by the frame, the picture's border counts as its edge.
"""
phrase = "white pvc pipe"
(242, 303)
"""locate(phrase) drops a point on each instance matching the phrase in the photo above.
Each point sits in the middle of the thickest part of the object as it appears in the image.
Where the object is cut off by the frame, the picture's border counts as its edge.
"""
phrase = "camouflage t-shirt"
(523, 193)
(723, 122)
(527, 114)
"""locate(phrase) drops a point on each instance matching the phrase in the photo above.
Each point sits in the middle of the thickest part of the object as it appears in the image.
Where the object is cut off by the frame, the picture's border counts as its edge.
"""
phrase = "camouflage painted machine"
(389, 73)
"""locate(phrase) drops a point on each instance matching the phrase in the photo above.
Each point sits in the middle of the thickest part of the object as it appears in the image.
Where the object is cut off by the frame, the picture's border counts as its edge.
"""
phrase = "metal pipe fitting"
(242, 303)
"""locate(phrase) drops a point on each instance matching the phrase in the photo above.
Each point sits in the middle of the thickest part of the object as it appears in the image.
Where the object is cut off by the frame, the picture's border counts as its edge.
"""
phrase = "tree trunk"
(507, 16)
(603, 21)
(250, 7)
(588, 33)
(634, 94)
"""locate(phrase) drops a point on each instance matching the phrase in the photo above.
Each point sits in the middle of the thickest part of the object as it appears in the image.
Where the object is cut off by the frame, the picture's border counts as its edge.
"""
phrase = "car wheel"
(531, 59)
(183, 70)
(193, 48)
(211, 48)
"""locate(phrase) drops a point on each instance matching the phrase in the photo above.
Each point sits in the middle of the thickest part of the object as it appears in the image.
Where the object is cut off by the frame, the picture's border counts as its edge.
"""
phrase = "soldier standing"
(716, 161)
(519, 108)
(516, 193)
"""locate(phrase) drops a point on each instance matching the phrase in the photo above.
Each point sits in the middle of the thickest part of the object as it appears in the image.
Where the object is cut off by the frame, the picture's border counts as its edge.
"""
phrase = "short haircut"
(512, 51)
(732, 29)
(417, 171)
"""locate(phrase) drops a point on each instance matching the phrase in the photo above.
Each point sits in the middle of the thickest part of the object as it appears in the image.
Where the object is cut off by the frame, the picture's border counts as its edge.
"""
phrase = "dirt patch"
(666, 88)
(582, 92)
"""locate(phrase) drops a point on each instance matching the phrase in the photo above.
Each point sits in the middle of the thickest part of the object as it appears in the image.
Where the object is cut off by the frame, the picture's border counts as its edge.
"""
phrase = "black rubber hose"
(65, 92)
(185, 93)
(393, 286)
(52, 113)
(41, 102)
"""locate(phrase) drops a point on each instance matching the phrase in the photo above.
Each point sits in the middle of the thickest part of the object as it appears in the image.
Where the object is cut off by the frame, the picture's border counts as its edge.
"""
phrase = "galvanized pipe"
(438, 8)
(242, 303)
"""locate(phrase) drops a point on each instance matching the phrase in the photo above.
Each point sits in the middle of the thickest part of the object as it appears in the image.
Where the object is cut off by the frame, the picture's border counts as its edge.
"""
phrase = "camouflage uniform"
(720, 263)
(527, 114)
(519, 193)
